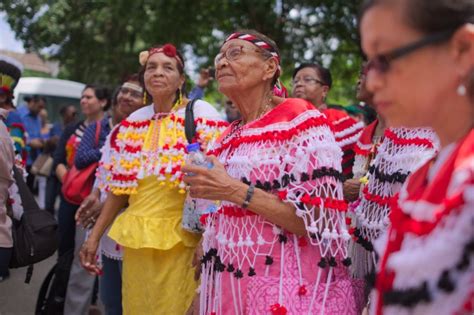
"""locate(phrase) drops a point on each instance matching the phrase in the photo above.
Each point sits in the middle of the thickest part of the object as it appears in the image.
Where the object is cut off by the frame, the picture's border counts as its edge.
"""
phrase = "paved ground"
(19, 298)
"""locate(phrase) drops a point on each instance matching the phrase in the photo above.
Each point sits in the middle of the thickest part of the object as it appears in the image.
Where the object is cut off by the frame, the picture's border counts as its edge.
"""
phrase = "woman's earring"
(461, 90)
(144, 99)
(180, 97)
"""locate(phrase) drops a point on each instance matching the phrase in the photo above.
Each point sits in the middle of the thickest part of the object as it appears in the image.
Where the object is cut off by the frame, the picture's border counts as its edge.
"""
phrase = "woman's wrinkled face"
(239, 66)
(408, 93)
(308, 85)
(90, 104)
(129, 99)
(162, 77)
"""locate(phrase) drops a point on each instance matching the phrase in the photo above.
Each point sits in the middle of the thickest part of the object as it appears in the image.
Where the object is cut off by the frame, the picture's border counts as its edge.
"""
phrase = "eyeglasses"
(231, 54)
(307, 81)
(381, 62)
(134, 94)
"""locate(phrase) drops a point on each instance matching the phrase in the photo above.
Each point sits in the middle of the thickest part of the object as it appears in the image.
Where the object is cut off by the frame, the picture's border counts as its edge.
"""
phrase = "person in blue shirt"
(68, 115)
(53, 186)
(205, 77)
(32, 122)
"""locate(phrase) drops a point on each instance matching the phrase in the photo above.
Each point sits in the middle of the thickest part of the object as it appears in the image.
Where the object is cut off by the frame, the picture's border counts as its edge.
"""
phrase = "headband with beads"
(278, 89)
(167, 49)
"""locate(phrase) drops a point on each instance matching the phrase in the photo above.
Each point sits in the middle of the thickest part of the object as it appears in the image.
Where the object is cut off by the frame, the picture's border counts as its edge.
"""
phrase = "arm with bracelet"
(216, 184)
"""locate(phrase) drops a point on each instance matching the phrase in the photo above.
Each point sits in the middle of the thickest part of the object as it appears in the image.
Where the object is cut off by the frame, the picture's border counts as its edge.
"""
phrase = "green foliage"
(99, 40)
(33, 73)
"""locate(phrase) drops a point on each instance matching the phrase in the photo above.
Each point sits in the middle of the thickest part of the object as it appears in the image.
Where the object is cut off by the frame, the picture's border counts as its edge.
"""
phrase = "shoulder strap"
(97, 132)
(28, 201)
(189, 123)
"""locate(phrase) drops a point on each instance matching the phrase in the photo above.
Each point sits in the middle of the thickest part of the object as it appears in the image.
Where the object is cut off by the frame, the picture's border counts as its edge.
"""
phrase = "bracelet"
(249, 196)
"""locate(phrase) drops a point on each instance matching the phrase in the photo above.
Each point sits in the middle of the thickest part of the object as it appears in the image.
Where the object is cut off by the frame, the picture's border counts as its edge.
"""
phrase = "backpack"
(35, 234)
(52, 293)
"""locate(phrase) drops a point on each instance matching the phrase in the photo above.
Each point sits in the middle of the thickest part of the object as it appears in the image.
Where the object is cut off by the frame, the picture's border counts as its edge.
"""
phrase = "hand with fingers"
(89, 210)
(88, 257)
(204, 78)
(351, 189)
(210, 183)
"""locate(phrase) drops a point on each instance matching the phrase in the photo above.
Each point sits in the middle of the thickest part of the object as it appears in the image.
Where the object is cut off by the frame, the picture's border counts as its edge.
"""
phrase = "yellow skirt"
(158, 281)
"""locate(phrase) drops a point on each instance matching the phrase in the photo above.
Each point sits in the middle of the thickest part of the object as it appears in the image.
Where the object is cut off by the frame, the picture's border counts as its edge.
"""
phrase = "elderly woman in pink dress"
(277, 243)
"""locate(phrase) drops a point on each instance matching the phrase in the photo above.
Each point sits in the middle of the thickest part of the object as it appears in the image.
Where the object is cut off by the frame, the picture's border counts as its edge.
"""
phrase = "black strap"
(189, 123)
(29, 274)
(28, 201)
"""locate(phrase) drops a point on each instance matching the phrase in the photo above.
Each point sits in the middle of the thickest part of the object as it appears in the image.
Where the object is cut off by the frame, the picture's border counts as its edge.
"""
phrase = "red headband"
(256, 41)
(278, 89)
(167, 49)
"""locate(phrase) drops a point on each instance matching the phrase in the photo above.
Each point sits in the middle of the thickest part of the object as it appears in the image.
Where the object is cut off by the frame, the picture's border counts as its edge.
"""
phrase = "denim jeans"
(5, 255)
(110, 286)
(66, 226)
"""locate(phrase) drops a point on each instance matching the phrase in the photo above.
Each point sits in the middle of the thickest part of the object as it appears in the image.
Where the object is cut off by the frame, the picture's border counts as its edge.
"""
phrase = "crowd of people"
(300, 207)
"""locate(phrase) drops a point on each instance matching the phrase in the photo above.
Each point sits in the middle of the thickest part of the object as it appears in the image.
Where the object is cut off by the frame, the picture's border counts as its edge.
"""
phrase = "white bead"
(276, 230)
(313, 230)
(300, 213)
(346, 236)
(461, 90)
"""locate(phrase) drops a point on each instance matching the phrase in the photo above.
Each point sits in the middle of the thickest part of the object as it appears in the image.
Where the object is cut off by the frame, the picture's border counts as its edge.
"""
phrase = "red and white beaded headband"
(256, 41)
(167, 49)
(279, 89)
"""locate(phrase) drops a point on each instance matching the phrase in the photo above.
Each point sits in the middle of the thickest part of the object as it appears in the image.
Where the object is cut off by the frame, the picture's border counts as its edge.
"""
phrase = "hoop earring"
(461, 90)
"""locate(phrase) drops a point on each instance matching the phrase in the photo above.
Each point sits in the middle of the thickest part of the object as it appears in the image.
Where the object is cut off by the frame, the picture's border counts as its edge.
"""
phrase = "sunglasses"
(381, 62)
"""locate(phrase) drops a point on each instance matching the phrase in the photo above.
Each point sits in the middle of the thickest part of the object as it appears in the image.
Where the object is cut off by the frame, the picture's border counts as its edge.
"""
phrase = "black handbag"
(189, 123)
(190, 221)
(35, 235)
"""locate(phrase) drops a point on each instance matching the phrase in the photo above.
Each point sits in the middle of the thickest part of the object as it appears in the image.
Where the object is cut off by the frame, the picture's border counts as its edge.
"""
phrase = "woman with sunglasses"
(157, 275)
(277, 243)
(421, 59)
(312, 82)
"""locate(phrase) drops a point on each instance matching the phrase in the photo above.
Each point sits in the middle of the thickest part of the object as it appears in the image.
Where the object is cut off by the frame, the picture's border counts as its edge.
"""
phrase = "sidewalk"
(19, 298)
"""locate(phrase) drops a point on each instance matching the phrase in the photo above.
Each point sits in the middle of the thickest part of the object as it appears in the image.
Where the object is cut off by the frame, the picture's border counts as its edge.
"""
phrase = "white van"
(57, 93)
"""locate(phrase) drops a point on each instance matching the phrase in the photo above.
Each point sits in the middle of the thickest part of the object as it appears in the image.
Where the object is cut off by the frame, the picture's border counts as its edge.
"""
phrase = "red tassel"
(282, 195)
(302, 242)
(278, 309)
(302, 290)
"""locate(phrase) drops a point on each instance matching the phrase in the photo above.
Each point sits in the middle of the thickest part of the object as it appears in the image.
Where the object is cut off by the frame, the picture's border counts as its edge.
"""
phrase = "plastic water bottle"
(195, 207)
(196, 157)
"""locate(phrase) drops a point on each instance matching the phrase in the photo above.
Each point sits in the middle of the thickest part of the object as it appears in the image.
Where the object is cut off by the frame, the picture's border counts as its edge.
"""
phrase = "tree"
(99, 41)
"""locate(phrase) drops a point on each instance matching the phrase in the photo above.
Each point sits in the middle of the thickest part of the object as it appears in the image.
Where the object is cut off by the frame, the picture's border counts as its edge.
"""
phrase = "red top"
(446, 194)
(347, 131)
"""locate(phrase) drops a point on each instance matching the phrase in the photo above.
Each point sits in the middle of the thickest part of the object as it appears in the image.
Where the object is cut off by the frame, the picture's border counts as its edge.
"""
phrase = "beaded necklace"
(237, 128)
(152, 138)
(155, 142)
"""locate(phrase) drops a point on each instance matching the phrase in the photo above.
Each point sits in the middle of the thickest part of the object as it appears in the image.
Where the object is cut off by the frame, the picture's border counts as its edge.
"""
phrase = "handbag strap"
(189, 123)
(28, 201)
(97, 133)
